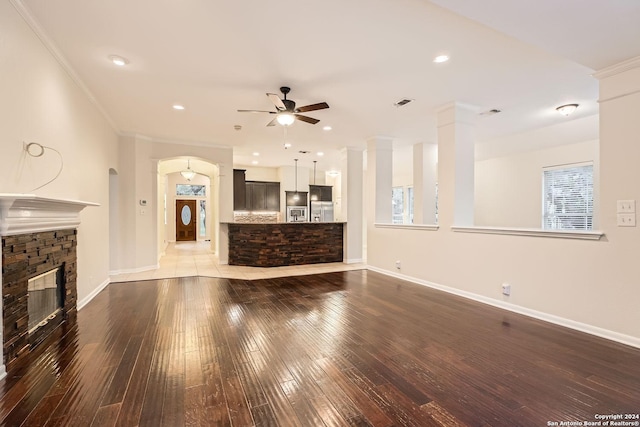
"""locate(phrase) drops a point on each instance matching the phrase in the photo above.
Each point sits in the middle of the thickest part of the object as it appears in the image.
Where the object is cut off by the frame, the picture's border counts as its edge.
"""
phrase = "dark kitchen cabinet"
(273, 196)
(321, 193)
(239, 190)
(262, 196)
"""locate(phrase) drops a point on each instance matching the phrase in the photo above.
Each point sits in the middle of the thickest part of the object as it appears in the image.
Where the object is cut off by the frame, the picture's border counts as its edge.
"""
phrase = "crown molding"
(37, 29)
(615, 69)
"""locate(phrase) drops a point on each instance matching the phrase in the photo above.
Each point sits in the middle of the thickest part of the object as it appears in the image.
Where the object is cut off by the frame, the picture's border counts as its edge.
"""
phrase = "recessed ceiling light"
(441, 58)
(118, 60)
(178, 107)
(255, 153)
(255, 162)
(327, 128)
(287, 145)
(320, 153)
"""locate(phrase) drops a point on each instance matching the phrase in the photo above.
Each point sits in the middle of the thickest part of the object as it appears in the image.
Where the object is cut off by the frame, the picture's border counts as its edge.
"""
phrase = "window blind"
(568, 198)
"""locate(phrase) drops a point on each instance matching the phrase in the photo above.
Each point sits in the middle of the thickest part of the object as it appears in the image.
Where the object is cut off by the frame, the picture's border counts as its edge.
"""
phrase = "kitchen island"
(285, 243)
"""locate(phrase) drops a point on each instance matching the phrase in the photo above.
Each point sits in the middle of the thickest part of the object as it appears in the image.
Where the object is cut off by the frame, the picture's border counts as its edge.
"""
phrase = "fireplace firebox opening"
(45, 297)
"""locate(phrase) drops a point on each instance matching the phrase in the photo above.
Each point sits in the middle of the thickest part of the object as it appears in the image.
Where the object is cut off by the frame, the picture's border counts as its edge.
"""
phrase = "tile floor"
(184, 259)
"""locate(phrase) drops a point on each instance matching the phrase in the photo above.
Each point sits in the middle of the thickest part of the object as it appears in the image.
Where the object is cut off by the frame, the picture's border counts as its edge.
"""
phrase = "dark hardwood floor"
(349, 348)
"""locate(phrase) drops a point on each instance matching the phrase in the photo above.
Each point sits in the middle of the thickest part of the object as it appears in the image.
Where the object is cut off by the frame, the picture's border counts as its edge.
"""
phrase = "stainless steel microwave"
(296, 213)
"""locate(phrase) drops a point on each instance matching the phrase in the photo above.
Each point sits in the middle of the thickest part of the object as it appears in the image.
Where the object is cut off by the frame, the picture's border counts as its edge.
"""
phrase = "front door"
(185, 220)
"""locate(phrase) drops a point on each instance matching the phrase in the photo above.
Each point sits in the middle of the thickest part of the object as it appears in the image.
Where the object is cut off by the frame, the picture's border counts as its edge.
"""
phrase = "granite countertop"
(281, 222)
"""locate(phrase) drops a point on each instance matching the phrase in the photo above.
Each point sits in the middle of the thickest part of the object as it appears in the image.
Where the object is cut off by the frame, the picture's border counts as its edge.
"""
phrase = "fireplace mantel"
(38, 233)
(28, 213)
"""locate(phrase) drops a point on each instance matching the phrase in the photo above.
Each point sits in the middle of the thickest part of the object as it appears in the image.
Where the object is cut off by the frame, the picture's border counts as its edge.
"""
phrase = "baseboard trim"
(134, 270)
(557, 320)
(353, 261)
(84, 301)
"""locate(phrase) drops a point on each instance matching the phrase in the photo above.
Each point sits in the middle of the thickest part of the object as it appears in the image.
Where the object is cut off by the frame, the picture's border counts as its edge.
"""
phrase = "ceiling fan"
(286, 111)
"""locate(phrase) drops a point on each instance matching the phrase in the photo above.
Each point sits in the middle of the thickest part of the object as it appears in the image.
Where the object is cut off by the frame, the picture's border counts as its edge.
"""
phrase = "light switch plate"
(626, 206)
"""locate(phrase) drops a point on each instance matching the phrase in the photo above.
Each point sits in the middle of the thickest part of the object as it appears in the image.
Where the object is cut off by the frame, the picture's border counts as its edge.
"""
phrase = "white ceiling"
(360, 56)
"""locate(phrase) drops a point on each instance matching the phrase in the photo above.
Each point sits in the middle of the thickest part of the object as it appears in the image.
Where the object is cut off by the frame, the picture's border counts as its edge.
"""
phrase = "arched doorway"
(199, 192)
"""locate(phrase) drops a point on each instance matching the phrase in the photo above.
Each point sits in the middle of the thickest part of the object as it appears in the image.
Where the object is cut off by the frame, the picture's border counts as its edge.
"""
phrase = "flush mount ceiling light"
(118, 60)
(327, 128)
(255, 153)
(178, 107)
(440, 59)
(188, 174)
(320, 153)
(287, 145)
(567, 109)
(285, 119)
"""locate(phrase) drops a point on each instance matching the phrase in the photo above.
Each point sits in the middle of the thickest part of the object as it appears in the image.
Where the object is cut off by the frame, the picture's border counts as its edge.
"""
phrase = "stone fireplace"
(39, 270)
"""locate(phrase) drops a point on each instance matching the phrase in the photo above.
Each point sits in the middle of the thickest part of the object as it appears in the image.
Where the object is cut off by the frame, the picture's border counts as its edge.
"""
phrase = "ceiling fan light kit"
(285, 119)
(286, 111)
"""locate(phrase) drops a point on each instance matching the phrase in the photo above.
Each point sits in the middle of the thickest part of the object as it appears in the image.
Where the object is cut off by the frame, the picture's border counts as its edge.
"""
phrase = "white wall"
(254, 173)
(403, 166)
(139, 161)
(41, 103)
(508, 189)
(585, 284)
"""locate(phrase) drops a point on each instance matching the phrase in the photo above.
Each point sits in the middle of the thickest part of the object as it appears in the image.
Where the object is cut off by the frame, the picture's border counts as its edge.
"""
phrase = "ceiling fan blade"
(272, 122)
(276, 101)
(256, 111)
(313, 107)
(306, 119)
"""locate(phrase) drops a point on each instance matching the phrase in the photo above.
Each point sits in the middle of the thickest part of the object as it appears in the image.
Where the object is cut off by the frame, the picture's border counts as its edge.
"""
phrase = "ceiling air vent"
(402, 102)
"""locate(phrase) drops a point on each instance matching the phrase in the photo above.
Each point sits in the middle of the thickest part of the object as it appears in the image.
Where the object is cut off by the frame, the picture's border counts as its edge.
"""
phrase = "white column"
(351, 189)
(380, 174)
(619, 153)
(425, 177)
(455, 165)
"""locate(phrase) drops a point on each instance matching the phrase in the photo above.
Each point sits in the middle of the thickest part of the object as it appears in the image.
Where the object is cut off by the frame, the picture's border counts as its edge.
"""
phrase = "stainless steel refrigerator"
(321, 211)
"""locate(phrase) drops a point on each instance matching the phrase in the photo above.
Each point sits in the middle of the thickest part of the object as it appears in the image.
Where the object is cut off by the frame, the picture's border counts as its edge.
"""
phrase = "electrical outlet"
(506, 289)
(626, 220)
(398, 265)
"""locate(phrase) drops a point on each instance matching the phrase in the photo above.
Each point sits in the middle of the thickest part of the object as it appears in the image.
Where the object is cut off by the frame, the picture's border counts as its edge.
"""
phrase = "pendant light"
(188, 174)
(296, 197)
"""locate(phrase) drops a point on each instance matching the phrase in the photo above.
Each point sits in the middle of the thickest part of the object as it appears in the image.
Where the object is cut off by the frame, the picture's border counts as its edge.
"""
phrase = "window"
(402, 208)
(203, 217)
(568, 197)
(397, 202)
(410, 205)
(190, 190)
